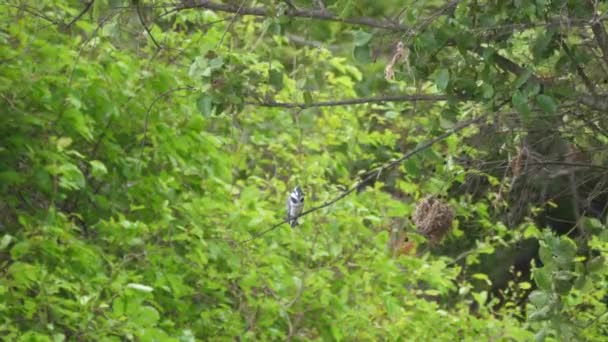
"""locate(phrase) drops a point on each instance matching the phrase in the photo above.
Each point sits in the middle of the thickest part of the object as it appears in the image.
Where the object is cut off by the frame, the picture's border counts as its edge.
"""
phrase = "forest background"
(453, 155)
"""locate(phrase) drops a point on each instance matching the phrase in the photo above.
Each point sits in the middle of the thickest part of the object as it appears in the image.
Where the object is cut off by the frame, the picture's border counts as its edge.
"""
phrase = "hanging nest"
(433, 218)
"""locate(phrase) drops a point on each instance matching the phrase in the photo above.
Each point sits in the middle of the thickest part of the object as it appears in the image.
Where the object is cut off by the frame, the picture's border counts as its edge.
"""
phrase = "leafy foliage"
(148, 147)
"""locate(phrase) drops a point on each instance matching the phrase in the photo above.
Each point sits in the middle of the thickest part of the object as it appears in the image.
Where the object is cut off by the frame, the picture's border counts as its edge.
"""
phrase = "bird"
(295, 204)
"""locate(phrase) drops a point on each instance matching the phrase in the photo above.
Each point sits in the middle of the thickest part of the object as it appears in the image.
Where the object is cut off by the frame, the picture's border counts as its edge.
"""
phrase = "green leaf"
(540, 314)
(205, 104)
(140, 287)
(308, 98)
(63, 143)
(361, 38)
(520, 103)
(146, 316)
(581, 282)
(565, 251)
(542, 278)
(276, 79)
(545, 254)
(24, 274)
(216, 63)
(441, 79)
(524, 285)
(539, 298)
(523, 78)
(592, 225)
(98, 169)
(487, 91)
(541, 45)
(6, 241)
(562, 286)
(596, 264)
(541, 335)
(546, 103)
(362, 54)
(71, 177)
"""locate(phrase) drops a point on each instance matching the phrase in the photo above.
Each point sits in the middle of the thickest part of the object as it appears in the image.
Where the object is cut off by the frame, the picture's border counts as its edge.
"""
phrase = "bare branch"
(380, 99)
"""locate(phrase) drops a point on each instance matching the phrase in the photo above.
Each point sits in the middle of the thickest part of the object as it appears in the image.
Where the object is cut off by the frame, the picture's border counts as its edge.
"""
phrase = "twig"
(462, 256)
(84, 10)
(579, 69)
(143, 23)
(437, 14)
(599, 33)
(389, 98)
(232, 21)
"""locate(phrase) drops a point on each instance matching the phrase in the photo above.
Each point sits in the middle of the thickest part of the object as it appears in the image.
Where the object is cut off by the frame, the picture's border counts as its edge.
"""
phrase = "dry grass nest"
(433, 218)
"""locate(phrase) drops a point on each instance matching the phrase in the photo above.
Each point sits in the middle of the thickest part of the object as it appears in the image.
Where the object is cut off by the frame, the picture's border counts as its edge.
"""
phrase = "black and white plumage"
(295, 204)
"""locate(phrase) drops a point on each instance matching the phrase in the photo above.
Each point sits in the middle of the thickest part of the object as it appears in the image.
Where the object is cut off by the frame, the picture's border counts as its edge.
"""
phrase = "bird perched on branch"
(295, 204)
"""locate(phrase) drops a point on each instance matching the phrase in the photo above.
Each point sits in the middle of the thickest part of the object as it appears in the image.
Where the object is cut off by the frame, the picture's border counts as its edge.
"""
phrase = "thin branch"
(579, 69)
(462, 256)
(84, 10)
(301, 13)
(600, 37)
(428, 21)
(509, 66)
(379, 99)
(143, 23)
(373, 174)
(232, 21)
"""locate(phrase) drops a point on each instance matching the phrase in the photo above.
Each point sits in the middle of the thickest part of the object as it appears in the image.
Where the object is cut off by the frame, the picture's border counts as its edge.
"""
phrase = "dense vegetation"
(453, 155)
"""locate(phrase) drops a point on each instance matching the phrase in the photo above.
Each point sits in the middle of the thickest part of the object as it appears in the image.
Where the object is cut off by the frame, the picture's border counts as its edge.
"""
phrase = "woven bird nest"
(433, 218)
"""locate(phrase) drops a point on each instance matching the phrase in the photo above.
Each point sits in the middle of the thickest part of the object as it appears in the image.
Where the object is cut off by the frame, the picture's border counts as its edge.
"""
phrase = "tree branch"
(579, 69)
(143, 23)
(379, 99)
(301, 13)
(509, 66)
(601, 38)
(84, 10)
